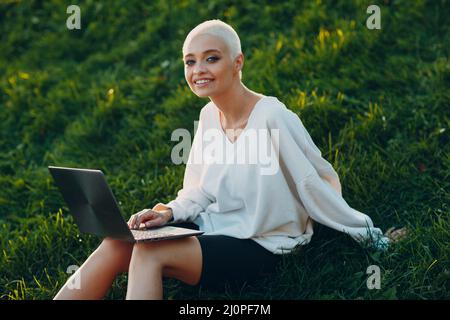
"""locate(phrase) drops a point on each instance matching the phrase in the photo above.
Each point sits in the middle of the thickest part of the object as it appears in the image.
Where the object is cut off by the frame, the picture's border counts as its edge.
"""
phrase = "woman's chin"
(202, 93)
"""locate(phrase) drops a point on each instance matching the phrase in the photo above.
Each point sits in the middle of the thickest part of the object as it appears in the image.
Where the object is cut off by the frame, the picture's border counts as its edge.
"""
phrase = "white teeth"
(202, 81)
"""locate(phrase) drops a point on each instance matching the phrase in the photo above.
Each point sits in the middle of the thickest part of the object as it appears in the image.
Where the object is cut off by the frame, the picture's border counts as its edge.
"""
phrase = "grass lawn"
(108, 96)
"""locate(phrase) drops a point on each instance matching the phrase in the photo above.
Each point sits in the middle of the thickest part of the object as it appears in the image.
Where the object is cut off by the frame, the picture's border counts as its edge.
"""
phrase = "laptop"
(95, 209)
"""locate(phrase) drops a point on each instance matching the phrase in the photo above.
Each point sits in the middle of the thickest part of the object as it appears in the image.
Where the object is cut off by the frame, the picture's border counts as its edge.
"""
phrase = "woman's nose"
(199, 68)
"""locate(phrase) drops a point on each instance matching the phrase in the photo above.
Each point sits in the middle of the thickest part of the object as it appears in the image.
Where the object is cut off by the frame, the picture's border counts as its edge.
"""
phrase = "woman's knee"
(148, 251)
(114, 246)
(116, 252)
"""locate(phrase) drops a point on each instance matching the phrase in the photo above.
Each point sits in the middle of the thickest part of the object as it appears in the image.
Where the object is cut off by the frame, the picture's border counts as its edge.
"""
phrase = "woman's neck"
(235, 105)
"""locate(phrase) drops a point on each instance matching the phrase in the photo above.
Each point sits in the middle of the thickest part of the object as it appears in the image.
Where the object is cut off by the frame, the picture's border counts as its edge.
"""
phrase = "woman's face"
(207, 58)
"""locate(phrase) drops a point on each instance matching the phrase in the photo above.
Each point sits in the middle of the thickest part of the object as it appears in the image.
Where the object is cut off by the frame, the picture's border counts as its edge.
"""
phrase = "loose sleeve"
(191, 199)
(322, 166)
(311, 151)
(300, 158)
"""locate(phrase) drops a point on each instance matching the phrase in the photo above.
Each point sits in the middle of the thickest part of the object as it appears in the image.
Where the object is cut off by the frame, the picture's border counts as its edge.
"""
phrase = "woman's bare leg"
(178, 258)
(98, 272)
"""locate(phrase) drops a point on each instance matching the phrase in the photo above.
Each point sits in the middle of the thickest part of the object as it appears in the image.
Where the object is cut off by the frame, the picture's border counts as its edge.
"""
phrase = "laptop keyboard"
(147, 234)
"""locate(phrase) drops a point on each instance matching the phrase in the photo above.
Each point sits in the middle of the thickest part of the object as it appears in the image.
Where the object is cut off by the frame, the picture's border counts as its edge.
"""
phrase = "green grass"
(376, 102)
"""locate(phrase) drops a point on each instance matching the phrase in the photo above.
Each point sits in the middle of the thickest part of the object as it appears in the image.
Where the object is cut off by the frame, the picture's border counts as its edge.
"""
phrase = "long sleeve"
(322, 166)
(311, 151)
(191, 199)
(302, 160)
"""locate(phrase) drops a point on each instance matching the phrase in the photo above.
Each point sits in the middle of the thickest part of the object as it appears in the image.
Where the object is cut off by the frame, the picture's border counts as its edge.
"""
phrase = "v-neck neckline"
(223, 132)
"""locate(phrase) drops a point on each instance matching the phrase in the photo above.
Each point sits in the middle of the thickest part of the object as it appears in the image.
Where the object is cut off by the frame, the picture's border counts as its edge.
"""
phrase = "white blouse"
(269, 185)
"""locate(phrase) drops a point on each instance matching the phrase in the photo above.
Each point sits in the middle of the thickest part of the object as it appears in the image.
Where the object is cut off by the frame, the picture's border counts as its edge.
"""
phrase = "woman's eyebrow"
(206, 51)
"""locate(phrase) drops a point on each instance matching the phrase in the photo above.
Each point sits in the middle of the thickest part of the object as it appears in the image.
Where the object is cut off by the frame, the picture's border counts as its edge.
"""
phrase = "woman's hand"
(148, 218)
(396, 235)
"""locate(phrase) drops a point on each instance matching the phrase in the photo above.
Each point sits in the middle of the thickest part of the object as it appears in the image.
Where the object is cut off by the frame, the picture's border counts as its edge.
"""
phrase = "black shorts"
(232, 261)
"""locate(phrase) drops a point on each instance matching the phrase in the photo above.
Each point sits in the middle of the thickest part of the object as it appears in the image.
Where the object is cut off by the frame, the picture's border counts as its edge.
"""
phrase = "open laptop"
(95, 209)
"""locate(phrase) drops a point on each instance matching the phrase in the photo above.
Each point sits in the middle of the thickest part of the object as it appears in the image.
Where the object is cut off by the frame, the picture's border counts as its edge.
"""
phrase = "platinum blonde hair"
(219, 29)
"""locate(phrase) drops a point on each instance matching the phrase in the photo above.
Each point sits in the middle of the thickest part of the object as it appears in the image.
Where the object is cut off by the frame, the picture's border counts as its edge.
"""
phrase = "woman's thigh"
(179, 258)
(231, 260)
(211, 261)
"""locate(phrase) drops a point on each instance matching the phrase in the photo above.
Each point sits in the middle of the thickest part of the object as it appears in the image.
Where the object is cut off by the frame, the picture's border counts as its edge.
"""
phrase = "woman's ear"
(239, 62)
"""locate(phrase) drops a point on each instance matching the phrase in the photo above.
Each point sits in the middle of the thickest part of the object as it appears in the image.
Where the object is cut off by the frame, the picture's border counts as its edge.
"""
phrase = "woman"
(250, 216)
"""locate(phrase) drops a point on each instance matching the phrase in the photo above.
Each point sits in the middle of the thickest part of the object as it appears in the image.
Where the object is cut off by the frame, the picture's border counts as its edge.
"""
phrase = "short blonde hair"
(219, 29)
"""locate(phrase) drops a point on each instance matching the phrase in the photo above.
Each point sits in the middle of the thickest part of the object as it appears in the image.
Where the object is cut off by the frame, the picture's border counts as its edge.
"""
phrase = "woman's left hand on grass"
(396, 235)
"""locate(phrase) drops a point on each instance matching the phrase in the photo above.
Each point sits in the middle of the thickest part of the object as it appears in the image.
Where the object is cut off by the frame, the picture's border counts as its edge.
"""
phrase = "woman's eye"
(214, 58)
(211, 59)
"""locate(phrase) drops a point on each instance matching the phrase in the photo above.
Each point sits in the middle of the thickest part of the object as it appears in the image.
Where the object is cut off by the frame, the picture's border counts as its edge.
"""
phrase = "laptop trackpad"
(162, 233)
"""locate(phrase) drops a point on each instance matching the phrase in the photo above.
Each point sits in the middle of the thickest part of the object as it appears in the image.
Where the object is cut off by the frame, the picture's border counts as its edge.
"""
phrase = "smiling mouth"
(203, 83)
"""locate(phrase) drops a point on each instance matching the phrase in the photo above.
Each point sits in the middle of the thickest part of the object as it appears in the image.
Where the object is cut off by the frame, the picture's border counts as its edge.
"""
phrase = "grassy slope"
(375, 102)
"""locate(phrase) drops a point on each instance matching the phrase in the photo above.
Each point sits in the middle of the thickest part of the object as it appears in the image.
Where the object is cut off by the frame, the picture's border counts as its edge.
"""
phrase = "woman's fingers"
(396, 235)
(155, 222)
(131, 220)
(147, 217)
(137, 221)
(389, 230)
(399, 232)
(144, 217)
(134, 217)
